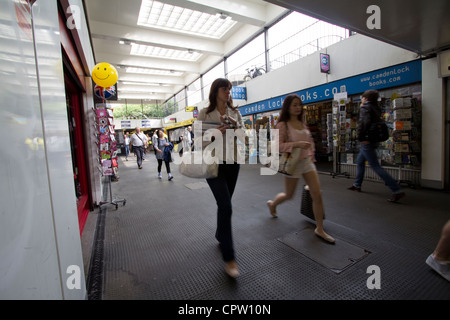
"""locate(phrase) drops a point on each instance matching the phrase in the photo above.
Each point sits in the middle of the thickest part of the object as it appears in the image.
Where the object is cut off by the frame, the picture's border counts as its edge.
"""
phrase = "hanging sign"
(324, 63)
(190, 109)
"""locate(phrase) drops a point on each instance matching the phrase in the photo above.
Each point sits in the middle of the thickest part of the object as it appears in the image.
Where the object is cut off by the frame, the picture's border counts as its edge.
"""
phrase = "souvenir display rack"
(338, 130)
(107, 148)
(406, 135)
(401, 153)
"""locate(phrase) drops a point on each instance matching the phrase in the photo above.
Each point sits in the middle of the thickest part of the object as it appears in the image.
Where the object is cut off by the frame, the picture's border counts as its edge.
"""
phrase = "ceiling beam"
(150, 63)
(155, 38)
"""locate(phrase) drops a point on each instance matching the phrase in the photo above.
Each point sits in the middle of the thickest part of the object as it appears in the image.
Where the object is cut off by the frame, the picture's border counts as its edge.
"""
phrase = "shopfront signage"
(146, 124)
(239, 93)
(190, 109)
(394, 76)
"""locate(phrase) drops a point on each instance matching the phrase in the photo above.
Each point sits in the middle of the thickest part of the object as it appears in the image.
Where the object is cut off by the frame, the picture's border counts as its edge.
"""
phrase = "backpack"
(378, 131)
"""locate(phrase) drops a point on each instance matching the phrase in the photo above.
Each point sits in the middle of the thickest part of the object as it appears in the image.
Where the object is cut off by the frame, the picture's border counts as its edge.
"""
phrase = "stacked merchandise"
(329, 133)
(106, 140)
(406, 140)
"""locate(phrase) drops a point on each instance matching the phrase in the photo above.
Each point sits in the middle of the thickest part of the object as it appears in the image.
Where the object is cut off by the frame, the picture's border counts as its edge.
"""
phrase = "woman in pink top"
(293, 133)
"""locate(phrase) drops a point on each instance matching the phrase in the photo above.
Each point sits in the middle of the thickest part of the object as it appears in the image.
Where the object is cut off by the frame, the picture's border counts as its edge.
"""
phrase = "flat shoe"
(327, 238)
(396, 196)
(353, 188)
(273, 211)
(232, 270)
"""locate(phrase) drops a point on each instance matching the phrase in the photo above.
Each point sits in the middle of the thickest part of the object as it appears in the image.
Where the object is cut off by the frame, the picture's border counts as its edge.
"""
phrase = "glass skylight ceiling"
(150, 51)
(167, 17)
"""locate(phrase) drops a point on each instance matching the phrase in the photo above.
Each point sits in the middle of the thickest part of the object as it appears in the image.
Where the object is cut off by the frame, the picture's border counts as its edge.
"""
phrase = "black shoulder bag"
(378, 130)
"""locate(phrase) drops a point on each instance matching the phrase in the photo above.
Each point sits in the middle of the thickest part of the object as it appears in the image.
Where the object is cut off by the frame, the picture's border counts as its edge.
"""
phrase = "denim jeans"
(369, 152)
(222, 188)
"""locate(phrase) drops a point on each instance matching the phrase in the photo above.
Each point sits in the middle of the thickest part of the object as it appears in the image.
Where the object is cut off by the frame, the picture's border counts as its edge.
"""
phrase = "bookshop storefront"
(336, 150)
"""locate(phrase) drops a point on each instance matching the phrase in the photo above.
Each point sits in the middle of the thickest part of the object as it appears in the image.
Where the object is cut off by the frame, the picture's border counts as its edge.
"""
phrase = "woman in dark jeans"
(161, 143)
(221, 110)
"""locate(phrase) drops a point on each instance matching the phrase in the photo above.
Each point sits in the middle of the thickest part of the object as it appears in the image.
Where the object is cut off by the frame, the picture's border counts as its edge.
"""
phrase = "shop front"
(400, 92)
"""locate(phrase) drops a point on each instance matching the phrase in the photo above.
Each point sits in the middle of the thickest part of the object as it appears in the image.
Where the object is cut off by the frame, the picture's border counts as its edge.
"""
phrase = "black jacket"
(368, 113)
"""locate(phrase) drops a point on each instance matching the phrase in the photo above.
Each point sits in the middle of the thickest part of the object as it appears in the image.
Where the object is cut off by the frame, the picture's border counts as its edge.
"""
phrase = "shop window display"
(316, 120)
(401, 110)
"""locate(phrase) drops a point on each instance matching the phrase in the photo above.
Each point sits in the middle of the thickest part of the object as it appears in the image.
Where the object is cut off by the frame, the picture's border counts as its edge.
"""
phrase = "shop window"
(401, 110)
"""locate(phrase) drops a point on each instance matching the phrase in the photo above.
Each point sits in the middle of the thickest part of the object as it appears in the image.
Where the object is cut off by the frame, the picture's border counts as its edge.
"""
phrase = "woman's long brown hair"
(284, 114)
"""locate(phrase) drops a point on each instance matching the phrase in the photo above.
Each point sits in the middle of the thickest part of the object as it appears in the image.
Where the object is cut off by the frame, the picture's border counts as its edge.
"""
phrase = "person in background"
(290, 124)
(189, 138)
(368, 113)
(138, 141)
(439, 259)
(221, 110)
(155, 140)
(161, 144)
(127, 145)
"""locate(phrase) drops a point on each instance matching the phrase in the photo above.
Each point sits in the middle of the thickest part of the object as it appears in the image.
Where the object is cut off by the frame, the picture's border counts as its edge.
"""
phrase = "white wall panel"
(39, 231)
(433, 128)
(29, 260)
(345, 61)
(59, 159)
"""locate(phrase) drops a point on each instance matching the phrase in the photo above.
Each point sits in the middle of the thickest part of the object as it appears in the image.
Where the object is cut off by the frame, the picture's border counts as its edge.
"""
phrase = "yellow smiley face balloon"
(104, 75)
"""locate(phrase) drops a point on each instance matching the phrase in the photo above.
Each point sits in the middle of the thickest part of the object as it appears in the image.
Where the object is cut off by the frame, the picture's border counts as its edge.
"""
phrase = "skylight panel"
(158, 52)
(168, 17)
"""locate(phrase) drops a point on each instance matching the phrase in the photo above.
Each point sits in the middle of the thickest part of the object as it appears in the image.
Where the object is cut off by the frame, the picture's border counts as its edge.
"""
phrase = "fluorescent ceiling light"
(151, 51)
(167, 17)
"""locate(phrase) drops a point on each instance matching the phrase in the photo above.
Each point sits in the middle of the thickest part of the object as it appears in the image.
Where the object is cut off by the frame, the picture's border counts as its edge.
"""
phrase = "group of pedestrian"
(162, 147)
(293, 133)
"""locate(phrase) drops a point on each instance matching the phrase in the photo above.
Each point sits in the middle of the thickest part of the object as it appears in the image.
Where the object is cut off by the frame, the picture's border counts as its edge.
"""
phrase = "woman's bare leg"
(312, 180)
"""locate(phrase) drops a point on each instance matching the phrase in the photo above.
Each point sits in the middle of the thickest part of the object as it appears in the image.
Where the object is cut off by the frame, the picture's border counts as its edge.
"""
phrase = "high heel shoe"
(272, 210)
(231, 269)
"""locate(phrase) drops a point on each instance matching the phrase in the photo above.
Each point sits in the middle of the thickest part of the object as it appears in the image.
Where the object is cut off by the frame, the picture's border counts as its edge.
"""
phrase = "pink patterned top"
(286, 145)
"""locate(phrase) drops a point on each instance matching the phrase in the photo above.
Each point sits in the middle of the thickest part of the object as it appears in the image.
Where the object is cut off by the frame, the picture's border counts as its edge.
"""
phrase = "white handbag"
(198, 170)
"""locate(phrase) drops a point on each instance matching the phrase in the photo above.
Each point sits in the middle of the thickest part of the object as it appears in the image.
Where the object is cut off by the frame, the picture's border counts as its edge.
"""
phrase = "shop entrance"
(77, 146)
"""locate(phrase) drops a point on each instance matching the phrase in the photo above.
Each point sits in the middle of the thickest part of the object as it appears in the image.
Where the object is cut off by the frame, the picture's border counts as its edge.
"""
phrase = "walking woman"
(221, 110)
(160, 146)
(293, 133)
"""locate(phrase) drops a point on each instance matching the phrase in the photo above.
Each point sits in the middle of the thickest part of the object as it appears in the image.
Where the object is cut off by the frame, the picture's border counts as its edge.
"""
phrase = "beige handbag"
(198, 170)
(288, 160)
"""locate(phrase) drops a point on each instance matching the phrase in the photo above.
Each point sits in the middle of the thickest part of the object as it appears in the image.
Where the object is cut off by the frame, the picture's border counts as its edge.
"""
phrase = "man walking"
(138, 140)
(370, 112)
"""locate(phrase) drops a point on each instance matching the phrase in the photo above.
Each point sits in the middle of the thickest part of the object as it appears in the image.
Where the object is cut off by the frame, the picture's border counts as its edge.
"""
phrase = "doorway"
(77, 146)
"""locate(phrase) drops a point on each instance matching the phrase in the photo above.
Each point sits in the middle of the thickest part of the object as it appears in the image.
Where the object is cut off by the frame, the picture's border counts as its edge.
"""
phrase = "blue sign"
(239, 93)
(125, 124)
(398, 75)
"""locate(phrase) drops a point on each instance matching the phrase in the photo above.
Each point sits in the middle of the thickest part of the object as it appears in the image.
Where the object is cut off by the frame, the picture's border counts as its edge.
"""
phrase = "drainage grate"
(336, 257)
